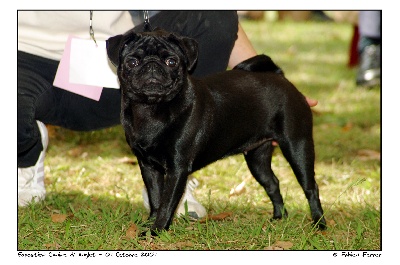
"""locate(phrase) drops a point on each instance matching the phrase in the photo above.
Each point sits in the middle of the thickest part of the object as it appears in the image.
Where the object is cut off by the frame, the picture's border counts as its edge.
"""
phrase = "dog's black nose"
(152, 68)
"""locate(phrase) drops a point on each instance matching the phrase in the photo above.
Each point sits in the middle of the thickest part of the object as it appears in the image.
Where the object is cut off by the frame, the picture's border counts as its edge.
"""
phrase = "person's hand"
(312, 103)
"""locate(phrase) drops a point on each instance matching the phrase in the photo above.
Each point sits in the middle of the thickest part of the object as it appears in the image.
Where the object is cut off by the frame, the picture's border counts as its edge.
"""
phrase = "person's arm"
(242, 50)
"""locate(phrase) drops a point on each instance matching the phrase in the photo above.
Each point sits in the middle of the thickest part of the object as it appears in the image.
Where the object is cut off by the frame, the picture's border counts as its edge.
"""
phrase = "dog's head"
(152, 66)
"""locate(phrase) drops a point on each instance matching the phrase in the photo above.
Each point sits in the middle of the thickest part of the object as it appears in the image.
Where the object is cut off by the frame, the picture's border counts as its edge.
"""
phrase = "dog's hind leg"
(259, 163)
(300, 155)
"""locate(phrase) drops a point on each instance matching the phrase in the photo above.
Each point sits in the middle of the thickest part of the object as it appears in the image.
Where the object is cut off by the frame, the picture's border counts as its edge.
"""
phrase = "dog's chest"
(144, 136)
(146, 133)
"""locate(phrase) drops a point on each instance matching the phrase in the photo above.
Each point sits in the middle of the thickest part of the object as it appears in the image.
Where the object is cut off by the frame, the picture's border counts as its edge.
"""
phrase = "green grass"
(88, 179)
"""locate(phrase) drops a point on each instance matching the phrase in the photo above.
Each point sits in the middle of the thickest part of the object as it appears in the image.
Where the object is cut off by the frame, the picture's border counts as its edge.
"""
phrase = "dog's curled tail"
(259, 63)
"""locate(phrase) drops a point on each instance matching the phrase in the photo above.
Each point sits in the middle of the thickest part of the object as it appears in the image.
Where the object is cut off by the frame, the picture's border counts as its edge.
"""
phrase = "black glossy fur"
(176, 124)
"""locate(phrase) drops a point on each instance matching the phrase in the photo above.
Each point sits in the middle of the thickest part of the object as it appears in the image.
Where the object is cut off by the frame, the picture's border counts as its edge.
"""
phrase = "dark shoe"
(369, 72)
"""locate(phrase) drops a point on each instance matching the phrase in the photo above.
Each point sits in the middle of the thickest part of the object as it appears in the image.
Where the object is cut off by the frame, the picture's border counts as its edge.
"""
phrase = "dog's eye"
(131, 63)
(170, 62)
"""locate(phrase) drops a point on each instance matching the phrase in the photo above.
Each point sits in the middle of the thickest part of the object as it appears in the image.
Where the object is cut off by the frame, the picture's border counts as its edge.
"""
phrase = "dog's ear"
(116, 44)
(113, 49)
(189, 48)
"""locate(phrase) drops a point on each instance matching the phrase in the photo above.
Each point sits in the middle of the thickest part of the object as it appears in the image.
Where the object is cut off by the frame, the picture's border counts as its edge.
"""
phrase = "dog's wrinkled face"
(152, 66)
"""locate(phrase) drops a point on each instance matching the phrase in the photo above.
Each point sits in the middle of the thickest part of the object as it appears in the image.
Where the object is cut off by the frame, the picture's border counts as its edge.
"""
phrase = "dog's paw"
(321, 225)
(280, 213)
(149, 233)
(155, 232)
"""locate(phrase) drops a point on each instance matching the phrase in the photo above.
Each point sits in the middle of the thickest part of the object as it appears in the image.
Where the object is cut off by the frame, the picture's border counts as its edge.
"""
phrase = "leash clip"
(91, 31)
(147, 26)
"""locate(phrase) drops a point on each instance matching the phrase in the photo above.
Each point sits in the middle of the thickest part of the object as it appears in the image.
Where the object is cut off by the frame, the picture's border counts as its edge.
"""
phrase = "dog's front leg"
(154, 181)
(174, 187)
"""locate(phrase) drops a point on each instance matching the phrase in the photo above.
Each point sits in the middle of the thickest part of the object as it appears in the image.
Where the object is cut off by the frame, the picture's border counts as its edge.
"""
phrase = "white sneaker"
(194, 208)
(31, 179)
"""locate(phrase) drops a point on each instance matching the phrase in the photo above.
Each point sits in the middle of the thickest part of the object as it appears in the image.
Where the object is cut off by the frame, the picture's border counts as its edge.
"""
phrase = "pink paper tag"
(62, 77)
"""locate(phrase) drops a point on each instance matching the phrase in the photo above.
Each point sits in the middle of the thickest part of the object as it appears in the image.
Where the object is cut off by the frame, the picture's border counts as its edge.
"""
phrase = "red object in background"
(353, 52)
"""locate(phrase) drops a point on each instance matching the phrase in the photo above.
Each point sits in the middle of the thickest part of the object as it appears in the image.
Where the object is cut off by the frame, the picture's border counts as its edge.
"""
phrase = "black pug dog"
(176, 124)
